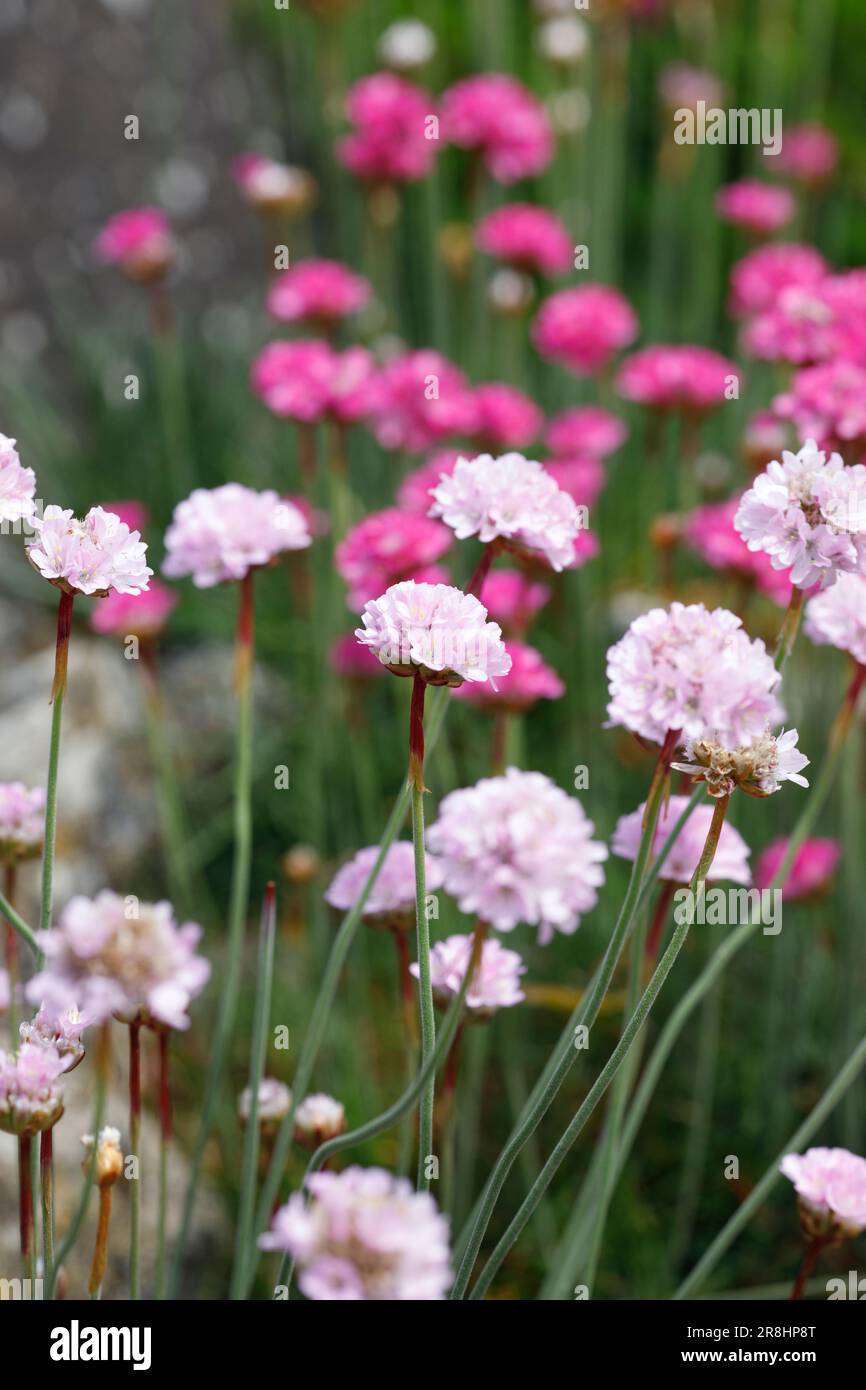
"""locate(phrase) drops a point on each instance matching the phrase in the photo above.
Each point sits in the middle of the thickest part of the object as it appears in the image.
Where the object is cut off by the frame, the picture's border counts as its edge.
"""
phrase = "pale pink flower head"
(413, 493)
(139, 240)
(809, 154)
(582, 478)
(498, 116)
(435, 631)
(711, 533)
(526, 237)
(827, 403)
(318, 292)
(96, 556)
(758, 767)
(677, 378)
(585, 431)
(220, 534)
(307, 380)
(756, 207)
(422, 398)
(759, 277)
(687, 668)
(837, 617)
(513, 500)
(31, 1098)
(517, 849)
(365, 1236)
(506, 418)
(391, 901)
(62, 1033)
(274, 1104)
(731, 859)
(271, 187)
(514, 599)
(392, 137)
(17, 484)
(495, 984)
(386, 547)
(764, 438)
(318, 1118)
(140, 615)
(808, 514)
(22, 821)
(810, 873)
(683, 85)
(583, 328)
(831, 1191)
(113, 955)
(529, 680)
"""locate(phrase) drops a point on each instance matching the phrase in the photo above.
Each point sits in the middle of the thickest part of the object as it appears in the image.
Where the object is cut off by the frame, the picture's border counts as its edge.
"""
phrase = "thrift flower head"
(530, 679)
(391, 901)
(319, 1118)
(407, 44)
(585, 430)
(810, 873)
(760, 277)
(760, 208)
(582, 478)
(110, 961)
(22, 821)
(677, 378)
(274, 1103)
(109, 1156)
(809, 154)
(526, 237)
(63, 1033)
(808, 513)
(837, 617)
(434, 631)
(731, 858)
(31, 1098)
(218, 534)
(499, 117)
(389, 143)
(307, 380)
(691, 669)
(831, 1190)
(421, 398)
(827, 403)
(506, 418)
(318, 291)
(144, 615)
(583, 328)
(365, 1236)
(17, 484)
(95, 556)
(274, 187)
(518, 849)
(758, 768)
(139, 241)
(510, 499)
(413, 493)
(386, 547)
(710, 531)
(495, 984)
(513, 599)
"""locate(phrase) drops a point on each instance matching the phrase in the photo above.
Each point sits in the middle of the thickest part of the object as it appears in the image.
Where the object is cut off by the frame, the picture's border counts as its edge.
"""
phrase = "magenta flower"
(676, 377)
(513, 599)
(800, 327)
(759, 208)
(811, 871)
(17, 484)
(318, 291)
(351, 661)
(760, 277)
(526, 237)
(134, 514)
(506, 418)
(497, 116)
(529, 680)
(827, 403)
(112, 955)
(422, 398)
(96, 556)
(393, 140)
(386, 547)
(414, 492)
(142, 615)
(585, 430)
(518, 849)
(495, 985)
(831, 1190)
(711, 533)
(809, 154)
(31, 1098)
(365, 1236)
(434, 631)
(583, 328)
(837, 617)
(219, 534)
(22, 821)
(582, 478)
(270, 186)
(307, 380)
(139, 240)
(731, 859)
(391, 901)
(512, 500)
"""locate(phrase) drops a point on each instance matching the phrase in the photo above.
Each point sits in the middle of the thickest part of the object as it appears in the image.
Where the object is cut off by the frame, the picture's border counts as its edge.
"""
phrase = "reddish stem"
(64, 631)
(662, 767)
(816, 1245)
(135, 1071)
(416, 733)
(657, 925)
(482, 569)
(245, 631)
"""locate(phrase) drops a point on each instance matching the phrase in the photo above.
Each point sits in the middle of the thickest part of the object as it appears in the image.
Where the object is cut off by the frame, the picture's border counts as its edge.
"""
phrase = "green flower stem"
(165, 1140)
(789, 629)
(833, 1094)
(58, 690)
(135, 1148)
(103, 1066)
(614, 1062)
(46, 1185)
(422, 925)
(258, 1053)
(18, 925)
(410, 1034)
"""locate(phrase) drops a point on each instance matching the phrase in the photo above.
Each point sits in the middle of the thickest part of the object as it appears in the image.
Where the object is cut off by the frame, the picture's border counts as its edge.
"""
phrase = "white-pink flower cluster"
(495, 984)
(517, 849)
(17, 484)
(30, 1097)
(97, 555)
(22, 821)
(436, 631)
(690, 669)
(831, 1186)
(758, 767)
(511, 499)
(319, 1117)
(219, 534)
(837, 617)
(365, 1236)
(731, 860)
(808, 513)
(391, 900)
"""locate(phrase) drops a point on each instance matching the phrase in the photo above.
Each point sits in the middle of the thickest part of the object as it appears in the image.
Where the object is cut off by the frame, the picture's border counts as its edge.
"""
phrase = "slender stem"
(20, 926)
(422, 924)
(135, 1147)
(25, 1207)
(100, 1252)
(10, 954)
(410, 1035)
(789, 629)
(46, 1184)
(103, 1067)
(165, 1139)
(816, 1245)
(482, 569)
(58, 690)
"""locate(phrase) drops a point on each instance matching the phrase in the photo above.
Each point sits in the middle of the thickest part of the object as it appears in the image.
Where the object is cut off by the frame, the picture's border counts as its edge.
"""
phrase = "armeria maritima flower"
(517, 848)
(506, 418)
(274, 1103)
(513, 599)
(811, 871)
(760, 208)
(218, 534)
(827, 403)
(17, 484)
(435, 631)
(272, 187)
(837, 617)
(758, 767)
(530, 679)
(583, 328)
(809, 154)
(386, 547)
(31, 1098)
(710, 531)
(527, 237)
(391, 901)
(495, 984)
(677, 377)
(585, 430)
(421, 398)
(96, 556)
(501, 119)
(413, 493)
(731, 860)
(392, 140)
(63, 1033)
(758, 279)
(144, 615)
(317, 291)
(307, 380)
(139, 240)
(319, 1117)
(831, 1190)
(365, 1236)
(22, 821)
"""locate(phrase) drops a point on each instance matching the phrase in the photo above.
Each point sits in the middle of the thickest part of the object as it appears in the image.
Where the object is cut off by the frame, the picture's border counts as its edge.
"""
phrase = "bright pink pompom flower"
(392, 140)
(307, 380)
(143, 615)
(526, 237)
(676, 377)
(530, 679)
(318, 291)
(809, 154)
(583, 328)
(759, 208)
(413, 493)
(139, 240)
(513, 599)
(582, 478)
(827, 403)
(585, 430)
(421, 398)
(506, 418)
(502, 119)
(759, 278)
(813, 867)
(386, 547)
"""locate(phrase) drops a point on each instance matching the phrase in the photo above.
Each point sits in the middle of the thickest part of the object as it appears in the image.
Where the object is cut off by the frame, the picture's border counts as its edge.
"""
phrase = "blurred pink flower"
(496, 983)
(711, 533)
(132, 513)
(827, 403)
(586, 547)
(31, 1098)
(386, 547)
(506, 418)
(764, 438)
(759, 278)
(676, 377)
(813, 867)
(809, 154)
(391, 142)
(219, 534)
(273, 187)
(530, 679)
(436, 631)
(837, 617)
(583, 328)
(307, 380)
(682, 85)
(318, 291)
(731, 859)
(139, 240)
(585, 430)
(526, 237)
(498, 116)
(319, 1117)
(582, 478)
(63, 1034)
(142, 615)
(760, 208)
(413, 493)
(95, 556)
(22, 821)
(420, 399)
(17, 484)
(513, 599)
(392, 897)
(351, 661)
(831, 1185)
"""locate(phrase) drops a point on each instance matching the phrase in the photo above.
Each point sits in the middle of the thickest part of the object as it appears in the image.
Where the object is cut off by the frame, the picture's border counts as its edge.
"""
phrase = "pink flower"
(62, 1034)
(143, 615)
(93, 556)
(527, 237)
(495, 985)
(510, 499)
(760, 277)
(759, 767)
(506, 417)
(134, 514)
(352, 661)
(808, 513)
(499, 117)
(30, 1097)
(436, 631)
(530, 679)
(800, 327)
(386, 547)
(421, 398)
(307, 380)
(391, 900)
(827, 403)
(22, 821)
(273, 1104)
(582, 478)
(112, 955)
(413, 493)
(586, 547)
(273, 187)
(690, 669)
(764, 438)
(318, 291)
(585, 430)
(583, 328)
(366, 1236)
(837, 617)
(710, 531)
(760, 208)
(513, 599)
(809, 154)
(139, 240)
(392, 140)
(731, 858)
(218, 534)
(676, 378)
(518, 849)
(319, 1118)
(813, 867)
(17, 484)
(831, 1186)
(682, 85)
